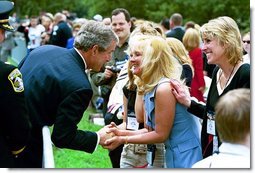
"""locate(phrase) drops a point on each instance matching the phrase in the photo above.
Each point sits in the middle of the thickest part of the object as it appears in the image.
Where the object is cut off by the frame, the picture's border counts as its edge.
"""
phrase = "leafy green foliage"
(199, 11)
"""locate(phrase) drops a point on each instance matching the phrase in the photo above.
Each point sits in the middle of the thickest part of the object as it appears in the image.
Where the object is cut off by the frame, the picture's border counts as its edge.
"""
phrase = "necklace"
(228, 77)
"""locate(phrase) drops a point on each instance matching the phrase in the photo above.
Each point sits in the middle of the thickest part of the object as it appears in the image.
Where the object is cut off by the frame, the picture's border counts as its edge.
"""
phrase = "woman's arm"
(165, 104)
(164, 116)
(139, 108)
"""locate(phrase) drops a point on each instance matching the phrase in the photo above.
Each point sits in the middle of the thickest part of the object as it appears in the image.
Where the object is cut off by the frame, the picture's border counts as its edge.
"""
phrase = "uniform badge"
(55, 28)
(15, 77)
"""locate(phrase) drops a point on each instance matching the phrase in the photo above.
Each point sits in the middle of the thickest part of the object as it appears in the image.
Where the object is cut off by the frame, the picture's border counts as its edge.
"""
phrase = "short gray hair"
(176, 18)
(94, 33)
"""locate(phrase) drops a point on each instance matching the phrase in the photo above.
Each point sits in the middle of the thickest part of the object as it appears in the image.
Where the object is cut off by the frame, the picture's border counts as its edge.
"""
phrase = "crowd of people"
(151, 80)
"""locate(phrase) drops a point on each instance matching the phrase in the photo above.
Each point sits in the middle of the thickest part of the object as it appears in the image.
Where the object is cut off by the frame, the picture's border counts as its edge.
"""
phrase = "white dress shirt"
(229, 156)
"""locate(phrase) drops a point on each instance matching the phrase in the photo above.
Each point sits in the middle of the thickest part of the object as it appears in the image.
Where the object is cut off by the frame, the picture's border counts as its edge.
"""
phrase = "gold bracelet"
(126, 140)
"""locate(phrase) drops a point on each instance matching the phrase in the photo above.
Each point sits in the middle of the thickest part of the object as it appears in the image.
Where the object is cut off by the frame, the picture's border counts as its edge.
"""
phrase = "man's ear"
(95, 49)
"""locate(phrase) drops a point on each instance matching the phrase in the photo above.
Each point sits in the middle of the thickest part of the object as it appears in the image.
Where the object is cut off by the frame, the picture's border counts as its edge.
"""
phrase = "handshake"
(110, 136)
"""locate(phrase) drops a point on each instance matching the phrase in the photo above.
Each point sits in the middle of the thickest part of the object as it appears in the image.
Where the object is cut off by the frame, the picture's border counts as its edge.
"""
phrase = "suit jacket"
(60, 34)
(176, 32)
(58, 92)
(14, 124)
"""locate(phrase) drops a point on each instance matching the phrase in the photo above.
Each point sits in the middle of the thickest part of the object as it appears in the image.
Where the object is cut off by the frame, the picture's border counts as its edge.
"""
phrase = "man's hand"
(105, 134)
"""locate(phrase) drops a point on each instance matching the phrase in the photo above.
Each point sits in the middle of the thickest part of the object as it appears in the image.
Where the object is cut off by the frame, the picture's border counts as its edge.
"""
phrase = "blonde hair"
(148, 28)
(180, 52)
(191, 39)
(142, 28)
(131, 78)
(233, 115)
(226, 31)
(157, 61)
(247, 34)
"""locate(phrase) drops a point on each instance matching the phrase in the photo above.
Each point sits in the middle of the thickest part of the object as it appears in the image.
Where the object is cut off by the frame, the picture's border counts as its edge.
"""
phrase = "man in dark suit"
(61, 32)
(177, 30)
(15, 125)
(58, 90)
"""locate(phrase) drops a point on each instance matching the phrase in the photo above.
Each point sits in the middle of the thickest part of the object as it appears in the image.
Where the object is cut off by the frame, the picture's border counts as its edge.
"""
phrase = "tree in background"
(199, 11)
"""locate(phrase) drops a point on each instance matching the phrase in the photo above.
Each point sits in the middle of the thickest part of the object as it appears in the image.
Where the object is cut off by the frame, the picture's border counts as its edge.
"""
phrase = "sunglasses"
(247, 41)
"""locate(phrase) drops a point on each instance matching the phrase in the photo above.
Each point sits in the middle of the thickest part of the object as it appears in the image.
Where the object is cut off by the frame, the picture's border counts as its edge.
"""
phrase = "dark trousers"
(115, 156)
(6, 157)
(31, 157)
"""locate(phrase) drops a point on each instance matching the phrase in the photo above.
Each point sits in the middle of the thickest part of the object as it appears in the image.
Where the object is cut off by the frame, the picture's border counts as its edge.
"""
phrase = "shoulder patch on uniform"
(15, 77)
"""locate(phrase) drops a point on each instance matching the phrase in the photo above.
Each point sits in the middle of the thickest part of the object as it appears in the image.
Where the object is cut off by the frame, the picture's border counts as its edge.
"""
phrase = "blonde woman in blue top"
(166, 120)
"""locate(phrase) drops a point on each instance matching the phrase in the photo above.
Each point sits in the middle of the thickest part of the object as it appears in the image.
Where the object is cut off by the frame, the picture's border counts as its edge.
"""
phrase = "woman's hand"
(114, 142)
(180, 92)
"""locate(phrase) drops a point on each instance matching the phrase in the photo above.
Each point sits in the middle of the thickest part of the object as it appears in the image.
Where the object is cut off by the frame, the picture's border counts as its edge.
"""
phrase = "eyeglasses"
(247, 41)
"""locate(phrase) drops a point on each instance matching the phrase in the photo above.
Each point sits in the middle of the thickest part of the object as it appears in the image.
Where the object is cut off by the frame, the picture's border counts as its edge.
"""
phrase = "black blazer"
(176, 33)
(58, 92)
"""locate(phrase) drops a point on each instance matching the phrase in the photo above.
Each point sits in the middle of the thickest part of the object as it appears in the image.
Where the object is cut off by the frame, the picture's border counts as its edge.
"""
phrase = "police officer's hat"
(5, 9)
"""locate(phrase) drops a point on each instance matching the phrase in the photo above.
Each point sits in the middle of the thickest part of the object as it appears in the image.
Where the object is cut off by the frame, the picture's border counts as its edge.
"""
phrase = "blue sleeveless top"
(183, 147)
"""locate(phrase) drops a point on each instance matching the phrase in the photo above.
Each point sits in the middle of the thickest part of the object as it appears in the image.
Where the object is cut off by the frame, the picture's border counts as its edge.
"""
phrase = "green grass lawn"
(66, 158)
(12, 62)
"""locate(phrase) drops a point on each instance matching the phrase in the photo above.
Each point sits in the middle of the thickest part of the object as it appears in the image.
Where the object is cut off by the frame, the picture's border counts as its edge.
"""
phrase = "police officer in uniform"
(14, 125)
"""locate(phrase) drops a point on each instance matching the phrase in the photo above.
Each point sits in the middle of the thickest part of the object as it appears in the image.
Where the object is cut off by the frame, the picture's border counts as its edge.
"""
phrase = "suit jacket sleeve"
(65, 132)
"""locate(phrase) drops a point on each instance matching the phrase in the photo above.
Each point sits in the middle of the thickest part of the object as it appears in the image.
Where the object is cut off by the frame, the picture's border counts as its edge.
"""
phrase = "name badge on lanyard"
(132, 123)
(211, 123)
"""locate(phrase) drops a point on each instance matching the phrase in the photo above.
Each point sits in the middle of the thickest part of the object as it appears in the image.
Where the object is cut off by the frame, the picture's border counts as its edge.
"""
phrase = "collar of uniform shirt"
(81, 58)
